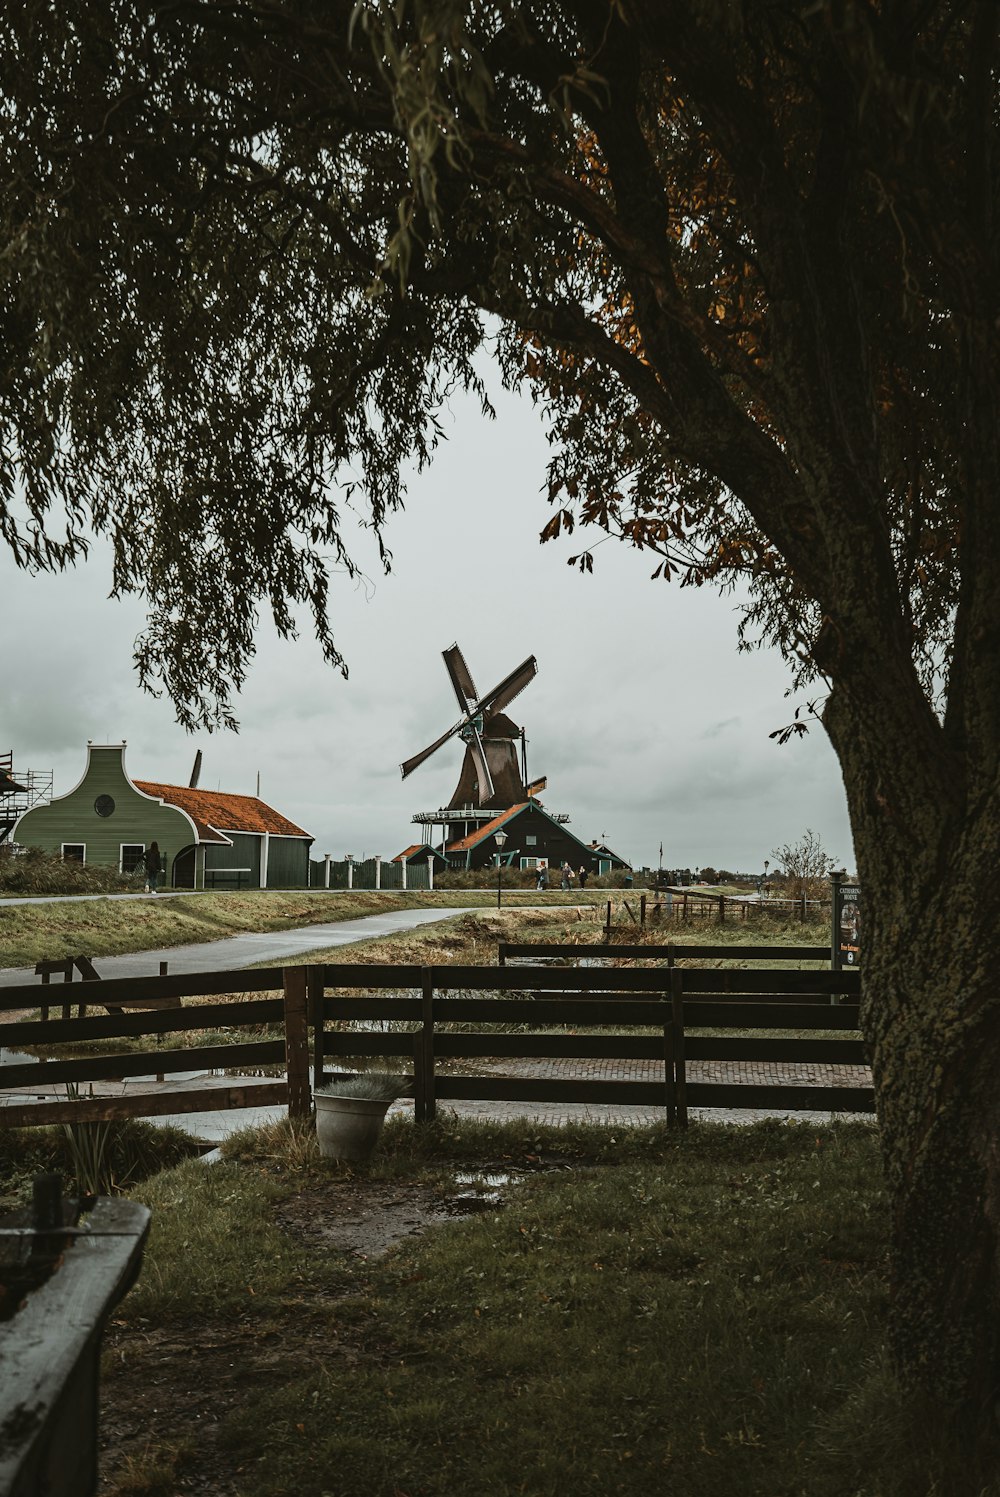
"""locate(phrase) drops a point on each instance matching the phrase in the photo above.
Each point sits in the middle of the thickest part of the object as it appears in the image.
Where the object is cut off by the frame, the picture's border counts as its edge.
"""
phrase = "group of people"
(568, 876)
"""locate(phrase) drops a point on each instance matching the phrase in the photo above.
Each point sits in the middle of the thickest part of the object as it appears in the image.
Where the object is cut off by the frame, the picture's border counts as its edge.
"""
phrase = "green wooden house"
(531, 837)
(207, 839)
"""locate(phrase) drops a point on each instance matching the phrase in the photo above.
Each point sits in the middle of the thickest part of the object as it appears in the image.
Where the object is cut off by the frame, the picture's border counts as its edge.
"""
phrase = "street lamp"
(499, 838)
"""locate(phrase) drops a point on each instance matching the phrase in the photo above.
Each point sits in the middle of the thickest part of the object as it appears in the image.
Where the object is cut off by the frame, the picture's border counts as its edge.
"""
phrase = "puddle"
(16, 1058)
(484, 1192)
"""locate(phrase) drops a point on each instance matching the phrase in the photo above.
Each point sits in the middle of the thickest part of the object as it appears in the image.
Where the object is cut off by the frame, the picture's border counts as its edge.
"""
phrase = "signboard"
(846, 925)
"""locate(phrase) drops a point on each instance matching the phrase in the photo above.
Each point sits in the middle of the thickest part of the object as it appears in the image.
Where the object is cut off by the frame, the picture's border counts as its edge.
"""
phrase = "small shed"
(422, 852)
(207, 839)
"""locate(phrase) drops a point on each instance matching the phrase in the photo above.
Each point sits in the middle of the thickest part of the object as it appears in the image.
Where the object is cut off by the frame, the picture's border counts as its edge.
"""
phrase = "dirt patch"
(362, 1218)
(169, 1390)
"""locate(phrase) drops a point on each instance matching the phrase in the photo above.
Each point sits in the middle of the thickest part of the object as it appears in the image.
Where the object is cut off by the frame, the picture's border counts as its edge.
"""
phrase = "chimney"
(196, 772)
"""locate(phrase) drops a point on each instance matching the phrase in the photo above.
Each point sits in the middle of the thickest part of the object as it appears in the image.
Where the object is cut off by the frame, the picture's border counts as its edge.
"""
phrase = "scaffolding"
(19, 792)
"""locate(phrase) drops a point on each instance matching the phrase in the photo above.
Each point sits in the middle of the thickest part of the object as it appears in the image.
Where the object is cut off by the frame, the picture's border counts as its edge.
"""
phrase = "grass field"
(700, 1314)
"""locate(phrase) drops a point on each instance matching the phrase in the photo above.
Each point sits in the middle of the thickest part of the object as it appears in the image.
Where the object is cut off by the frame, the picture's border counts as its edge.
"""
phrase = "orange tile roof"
(401, 857)
(474, 838)
(214, 811)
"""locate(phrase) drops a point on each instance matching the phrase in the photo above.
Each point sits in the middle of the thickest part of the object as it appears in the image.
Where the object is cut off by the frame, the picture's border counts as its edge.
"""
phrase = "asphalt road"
(247, 950)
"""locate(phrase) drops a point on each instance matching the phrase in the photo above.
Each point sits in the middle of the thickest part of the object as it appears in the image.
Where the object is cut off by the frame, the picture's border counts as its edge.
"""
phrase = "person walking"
(542, 881)
(567, 875)
(154, 867)
(582, 876)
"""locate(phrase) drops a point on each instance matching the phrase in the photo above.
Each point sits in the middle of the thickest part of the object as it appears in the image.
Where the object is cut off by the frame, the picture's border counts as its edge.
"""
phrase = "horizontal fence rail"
(161, 1012)
(433, 1019)
(668, 951)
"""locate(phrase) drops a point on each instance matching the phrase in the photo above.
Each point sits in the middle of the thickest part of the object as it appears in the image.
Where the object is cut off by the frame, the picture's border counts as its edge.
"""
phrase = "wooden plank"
(131, 1026)
(767, 980)
(120, 991)
(159, 1103)
(678, 1043)
(51, 1356)
(368, 1042)
(816, 1051)
(567, 1011)
(670, 1066)
(661, 952)
(371, 975)
(542, 1046)
(297, 1042)
(86, 1068)
(701, 1013)
(117, 990)
(781, 1098)
(425, 1051)
(372, 1008)
(547, 1089)
(314, 1012)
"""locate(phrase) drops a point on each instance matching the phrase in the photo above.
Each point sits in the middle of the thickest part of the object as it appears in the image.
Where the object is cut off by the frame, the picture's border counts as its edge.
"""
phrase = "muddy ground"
(172, 1386)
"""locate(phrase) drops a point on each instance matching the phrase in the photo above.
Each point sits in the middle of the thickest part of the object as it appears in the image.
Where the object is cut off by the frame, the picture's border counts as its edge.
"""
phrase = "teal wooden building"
(207, 839)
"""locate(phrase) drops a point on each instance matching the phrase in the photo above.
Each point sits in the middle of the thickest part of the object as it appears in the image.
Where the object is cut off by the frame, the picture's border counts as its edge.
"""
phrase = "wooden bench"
(212, 876)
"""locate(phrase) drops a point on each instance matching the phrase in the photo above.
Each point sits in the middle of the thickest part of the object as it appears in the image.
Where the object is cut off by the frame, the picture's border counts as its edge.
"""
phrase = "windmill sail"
(461, 678)
(490, 773)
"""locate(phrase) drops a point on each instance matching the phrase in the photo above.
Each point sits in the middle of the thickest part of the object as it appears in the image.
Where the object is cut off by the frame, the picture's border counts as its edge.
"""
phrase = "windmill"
(491, 778)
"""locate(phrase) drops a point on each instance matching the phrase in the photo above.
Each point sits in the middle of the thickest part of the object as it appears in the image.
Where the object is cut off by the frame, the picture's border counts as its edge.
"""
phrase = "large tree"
(744, 253)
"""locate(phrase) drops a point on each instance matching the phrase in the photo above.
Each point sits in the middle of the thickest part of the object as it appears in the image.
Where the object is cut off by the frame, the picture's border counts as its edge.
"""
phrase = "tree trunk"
(931, 1017)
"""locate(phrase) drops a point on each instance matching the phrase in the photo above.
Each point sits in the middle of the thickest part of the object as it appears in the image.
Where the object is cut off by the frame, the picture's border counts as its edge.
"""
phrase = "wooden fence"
(666, 951)
(692, 903)
(160, 1013)
(435, 1017)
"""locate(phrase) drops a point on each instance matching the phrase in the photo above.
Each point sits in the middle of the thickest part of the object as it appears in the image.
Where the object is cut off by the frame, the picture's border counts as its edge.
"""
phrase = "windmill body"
(493, 775)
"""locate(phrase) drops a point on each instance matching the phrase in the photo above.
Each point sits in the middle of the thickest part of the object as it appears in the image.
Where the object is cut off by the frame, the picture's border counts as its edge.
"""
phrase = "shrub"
(30, 870)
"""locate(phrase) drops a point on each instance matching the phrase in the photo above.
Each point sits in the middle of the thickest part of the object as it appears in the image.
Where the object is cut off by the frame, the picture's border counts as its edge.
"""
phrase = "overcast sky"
(649, 724)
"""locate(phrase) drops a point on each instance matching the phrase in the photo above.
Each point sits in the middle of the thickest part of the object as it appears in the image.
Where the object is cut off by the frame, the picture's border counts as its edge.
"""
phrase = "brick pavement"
(213, 1126)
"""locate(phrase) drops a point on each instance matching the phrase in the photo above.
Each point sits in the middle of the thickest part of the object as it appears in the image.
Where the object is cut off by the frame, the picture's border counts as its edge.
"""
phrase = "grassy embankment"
(698, 1313)
(112, 927)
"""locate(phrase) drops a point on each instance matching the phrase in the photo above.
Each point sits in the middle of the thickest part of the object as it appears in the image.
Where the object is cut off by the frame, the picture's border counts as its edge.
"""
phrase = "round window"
(104, 805)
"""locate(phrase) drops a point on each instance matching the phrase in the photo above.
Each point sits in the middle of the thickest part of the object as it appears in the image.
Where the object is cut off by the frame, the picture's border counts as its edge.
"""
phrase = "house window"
(131, 856)
(529, 862)
(74, 852)
(531, 841)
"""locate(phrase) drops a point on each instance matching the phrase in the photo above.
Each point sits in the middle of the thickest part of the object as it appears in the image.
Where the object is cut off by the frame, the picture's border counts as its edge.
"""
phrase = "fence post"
(502, 954)
(642, 909)
(315, 993)
(680, 1069)
(722, 909)
(297, 1041)
(424, 1106)
(668, 1060)
(607, 924)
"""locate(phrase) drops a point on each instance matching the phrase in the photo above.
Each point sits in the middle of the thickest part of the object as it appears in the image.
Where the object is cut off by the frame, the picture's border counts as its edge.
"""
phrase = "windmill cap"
(499, 725)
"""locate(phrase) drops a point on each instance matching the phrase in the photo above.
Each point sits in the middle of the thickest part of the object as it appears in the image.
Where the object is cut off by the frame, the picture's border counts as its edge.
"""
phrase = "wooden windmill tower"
(493, 776)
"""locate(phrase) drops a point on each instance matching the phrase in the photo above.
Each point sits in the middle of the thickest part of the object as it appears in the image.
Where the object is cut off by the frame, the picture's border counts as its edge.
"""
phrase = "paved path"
(275, 946)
